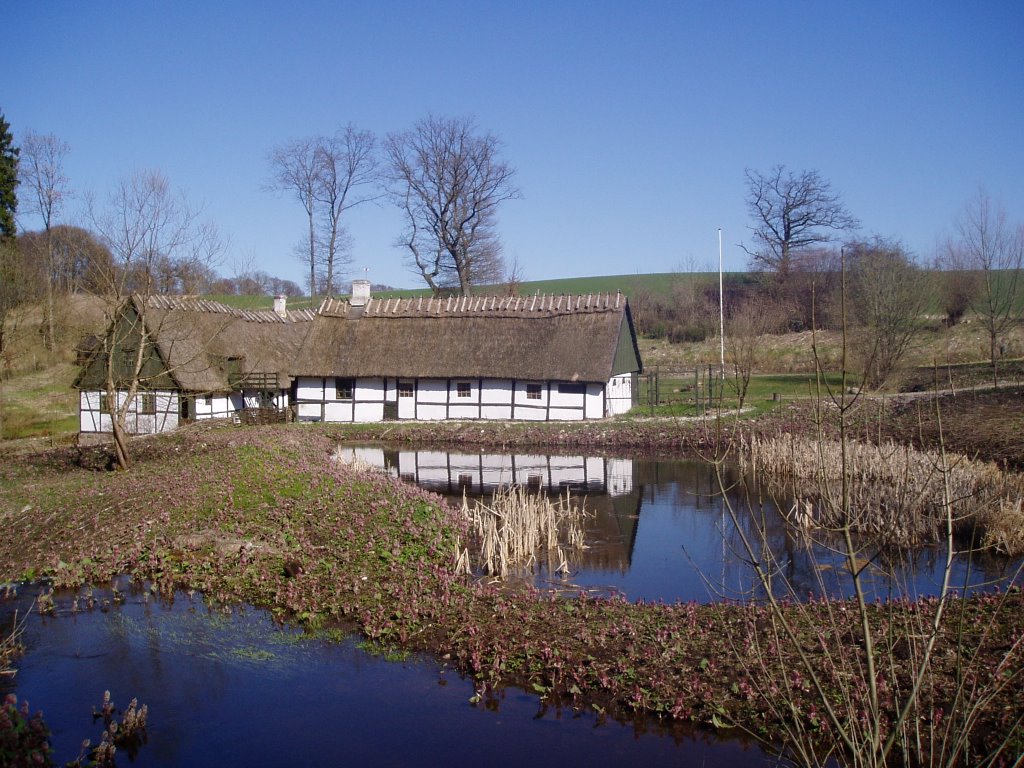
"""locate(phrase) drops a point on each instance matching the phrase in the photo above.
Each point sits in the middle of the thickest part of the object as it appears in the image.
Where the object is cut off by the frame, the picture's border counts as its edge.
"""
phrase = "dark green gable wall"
(126, 338)
(627, 354)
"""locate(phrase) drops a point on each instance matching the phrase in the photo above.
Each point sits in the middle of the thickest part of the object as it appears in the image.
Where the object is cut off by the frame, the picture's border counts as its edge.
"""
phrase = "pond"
(660, 528)
(232, 687)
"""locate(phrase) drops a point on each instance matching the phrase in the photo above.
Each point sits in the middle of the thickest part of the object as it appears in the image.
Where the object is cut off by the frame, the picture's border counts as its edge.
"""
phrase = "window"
(343, 389)
(465, 481)
(405, 389)
(208, 400)
(571, 388)
(148, 405)
(534, 482)
(128, 359)
(465, 389)
(533, 391)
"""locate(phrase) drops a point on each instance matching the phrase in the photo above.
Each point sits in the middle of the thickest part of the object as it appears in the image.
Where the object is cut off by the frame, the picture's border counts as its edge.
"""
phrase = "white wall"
(317, 400)
(91, 419)
(619, 394)
(437, 399)
(214, 407)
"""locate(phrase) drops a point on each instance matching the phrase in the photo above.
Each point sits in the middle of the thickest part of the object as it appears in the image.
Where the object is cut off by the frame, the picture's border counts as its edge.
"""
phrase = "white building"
(540, 358)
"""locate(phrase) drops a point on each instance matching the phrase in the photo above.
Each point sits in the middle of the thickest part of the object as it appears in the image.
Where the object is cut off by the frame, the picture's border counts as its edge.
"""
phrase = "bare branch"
(791, 212)
(449, 182)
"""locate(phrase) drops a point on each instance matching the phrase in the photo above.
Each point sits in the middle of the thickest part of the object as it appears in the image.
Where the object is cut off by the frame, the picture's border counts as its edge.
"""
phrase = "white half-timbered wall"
(228, 406)
(469, 398)
(339, 399)
(162, 411)
(149, 413)
(330, 399)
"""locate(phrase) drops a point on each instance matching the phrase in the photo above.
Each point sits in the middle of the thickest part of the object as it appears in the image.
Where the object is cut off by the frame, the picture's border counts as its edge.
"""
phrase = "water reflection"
(661, 528)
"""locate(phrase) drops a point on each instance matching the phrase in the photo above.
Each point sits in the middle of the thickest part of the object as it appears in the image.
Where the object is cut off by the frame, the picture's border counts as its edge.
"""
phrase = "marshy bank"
(225, 511)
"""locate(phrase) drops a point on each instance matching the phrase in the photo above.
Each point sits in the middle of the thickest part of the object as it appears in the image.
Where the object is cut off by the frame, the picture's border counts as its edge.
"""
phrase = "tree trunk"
(120, 444)
(50, 341)
(992, 357)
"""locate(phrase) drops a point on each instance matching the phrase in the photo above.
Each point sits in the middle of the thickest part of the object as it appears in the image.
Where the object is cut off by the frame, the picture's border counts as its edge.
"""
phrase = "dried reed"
(896, 492)
(10, 645)
(518, 528)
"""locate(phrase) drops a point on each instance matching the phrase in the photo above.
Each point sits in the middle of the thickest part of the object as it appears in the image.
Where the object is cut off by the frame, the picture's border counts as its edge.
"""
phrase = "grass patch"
(687, 397)
(41, 403)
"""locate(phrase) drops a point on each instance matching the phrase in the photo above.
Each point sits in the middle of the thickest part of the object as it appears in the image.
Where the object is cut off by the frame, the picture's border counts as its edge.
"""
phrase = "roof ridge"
(201, 304)
(493, 305)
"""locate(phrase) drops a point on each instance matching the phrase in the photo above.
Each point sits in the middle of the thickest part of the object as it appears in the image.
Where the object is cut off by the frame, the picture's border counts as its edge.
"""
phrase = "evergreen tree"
(8, 180)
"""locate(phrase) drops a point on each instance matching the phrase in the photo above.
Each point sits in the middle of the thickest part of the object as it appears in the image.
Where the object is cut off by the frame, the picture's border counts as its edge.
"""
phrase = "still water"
(234, 688)
(661, 529)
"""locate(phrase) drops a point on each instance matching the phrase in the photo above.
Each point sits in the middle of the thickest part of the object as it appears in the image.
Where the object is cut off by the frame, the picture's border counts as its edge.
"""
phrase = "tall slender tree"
(41, 171)
(328, 175)
(346, 176)
(293, 165)
(145, 225)
(994, 249)
(8, 181)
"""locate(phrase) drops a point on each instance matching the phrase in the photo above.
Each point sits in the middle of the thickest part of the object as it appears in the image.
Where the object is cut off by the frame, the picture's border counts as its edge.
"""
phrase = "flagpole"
(721, 308)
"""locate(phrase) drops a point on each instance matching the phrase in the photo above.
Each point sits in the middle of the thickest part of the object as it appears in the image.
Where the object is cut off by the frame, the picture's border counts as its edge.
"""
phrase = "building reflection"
(606, 486)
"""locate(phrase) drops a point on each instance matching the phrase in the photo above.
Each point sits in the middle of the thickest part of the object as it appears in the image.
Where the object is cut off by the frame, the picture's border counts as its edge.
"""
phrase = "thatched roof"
(209, 347)
(566, 338)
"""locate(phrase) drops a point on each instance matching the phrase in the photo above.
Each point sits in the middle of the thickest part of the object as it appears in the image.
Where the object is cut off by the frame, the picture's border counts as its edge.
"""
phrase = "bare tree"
(146, 226)
(888, 299)
(41, 172)
(329, 175)
(515, 274)
(449, 181)
(15, 291)
(956, 285)
(294, 167)
(994, 249)
(745, 349)
(346, 176)
(792, 212)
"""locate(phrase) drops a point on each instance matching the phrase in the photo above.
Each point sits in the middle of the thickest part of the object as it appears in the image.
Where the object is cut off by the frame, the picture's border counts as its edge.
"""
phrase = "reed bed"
(895, 492)
(519, 530)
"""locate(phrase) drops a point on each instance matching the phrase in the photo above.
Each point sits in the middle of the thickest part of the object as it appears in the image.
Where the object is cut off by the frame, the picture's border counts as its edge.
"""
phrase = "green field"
(680, 397)
(659, 283)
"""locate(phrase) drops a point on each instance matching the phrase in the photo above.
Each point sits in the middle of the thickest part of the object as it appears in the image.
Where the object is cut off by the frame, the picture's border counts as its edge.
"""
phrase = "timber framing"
(522, 358)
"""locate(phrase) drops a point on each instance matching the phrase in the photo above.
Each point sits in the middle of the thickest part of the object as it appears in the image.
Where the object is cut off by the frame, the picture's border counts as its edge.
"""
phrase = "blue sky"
(630, 124)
